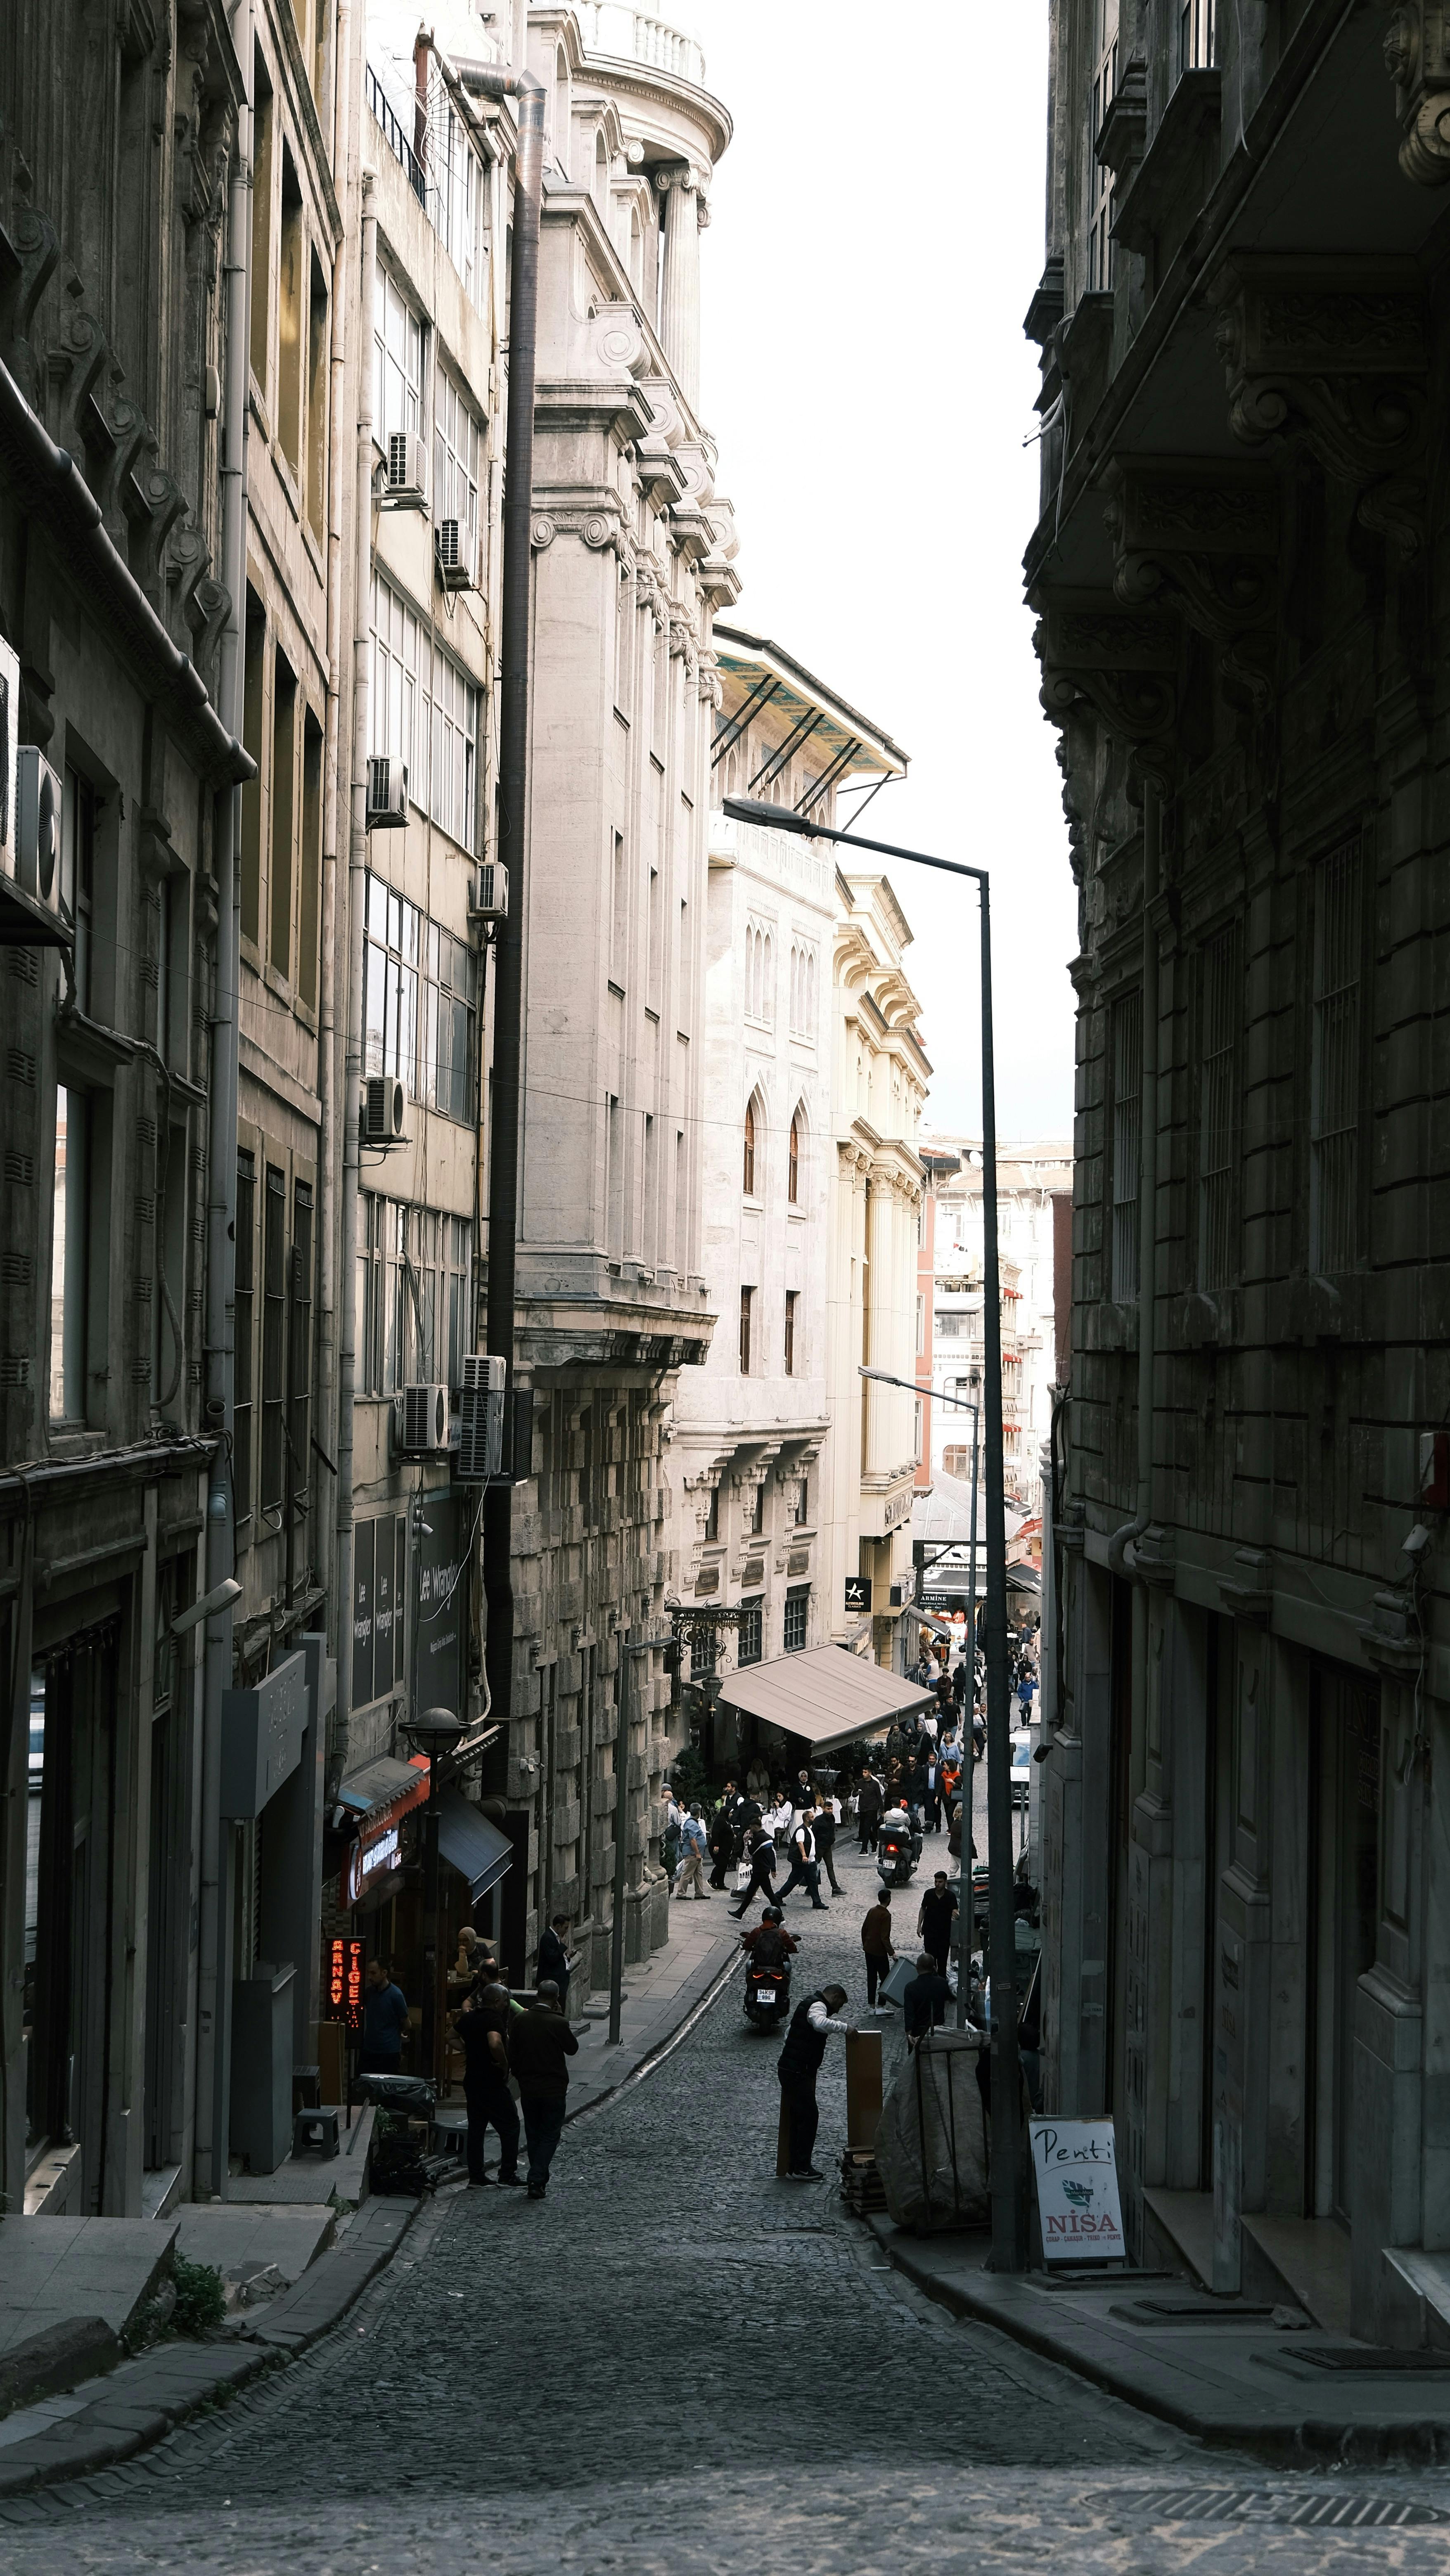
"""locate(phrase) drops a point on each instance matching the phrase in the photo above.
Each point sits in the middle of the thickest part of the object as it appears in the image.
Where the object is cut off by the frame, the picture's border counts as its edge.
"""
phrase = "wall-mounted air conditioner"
(384, 1110)
(456, 551)
(406, 486)
(479, 1456)
(425, 1421)
(387, 793)
(490, 892)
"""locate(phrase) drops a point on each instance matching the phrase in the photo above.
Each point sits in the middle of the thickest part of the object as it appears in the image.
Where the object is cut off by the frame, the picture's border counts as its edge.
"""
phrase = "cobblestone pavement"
(677, 2362)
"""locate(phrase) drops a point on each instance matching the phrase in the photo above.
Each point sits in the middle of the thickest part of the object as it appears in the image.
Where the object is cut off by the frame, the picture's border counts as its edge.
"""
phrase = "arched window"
(561, 113)
(601, 175)
(749, 1171)
(795, 1160)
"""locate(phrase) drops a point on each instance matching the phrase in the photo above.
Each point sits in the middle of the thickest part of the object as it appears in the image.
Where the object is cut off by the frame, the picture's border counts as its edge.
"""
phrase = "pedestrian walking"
(482, 2029)
(538, 2043)
(554, 1961)
(723, 1836)
(825, 1833)
(798, 2065)
(674, 1820)
(761, 1855)
(934, 1921)
(805, 1868)
(693, 1845)
(924, 2003)
(876, 1944)
(868, 1809)
(385, 2019)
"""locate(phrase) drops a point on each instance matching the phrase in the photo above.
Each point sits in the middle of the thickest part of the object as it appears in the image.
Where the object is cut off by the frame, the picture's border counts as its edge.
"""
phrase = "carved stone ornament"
(1205, 536)
(1417, 58)
(1123, 662)
(1333, 351)
(542, 534)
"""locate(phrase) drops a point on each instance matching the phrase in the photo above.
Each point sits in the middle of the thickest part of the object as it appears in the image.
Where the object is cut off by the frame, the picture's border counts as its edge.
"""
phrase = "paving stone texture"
(679, 2363)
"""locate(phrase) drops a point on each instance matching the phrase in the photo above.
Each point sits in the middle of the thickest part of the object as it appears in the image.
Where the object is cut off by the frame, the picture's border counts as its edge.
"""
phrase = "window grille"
(1100, 179)
(1218, 1110)
(1334, 1078)
(1127, 1044)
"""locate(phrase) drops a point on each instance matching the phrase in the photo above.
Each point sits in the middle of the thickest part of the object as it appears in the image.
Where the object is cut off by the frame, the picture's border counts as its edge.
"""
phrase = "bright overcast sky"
(876, 237)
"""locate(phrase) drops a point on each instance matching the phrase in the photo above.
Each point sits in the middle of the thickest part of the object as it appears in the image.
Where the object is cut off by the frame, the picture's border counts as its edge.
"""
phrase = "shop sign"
(858, 1592)
(366, 1859)
(441, 1603)
(1076, 2167)
(344, 1981)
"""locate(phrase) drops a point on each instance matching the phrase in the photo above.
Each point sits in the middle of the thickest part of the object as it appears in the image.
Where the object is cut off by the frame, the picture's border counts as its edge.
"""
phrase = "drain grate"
(1321, 2508)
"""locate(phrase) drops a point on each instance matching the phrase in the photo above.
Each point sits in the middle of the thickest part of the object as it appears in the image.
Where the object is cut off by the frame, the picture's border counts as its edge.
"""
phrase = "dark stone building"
(1241, 577)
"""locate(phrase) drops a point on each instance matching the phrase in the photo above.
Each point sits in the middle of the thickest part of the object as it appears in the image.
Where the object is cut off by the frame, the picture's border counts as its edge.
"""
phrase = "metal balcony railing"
(397, 140)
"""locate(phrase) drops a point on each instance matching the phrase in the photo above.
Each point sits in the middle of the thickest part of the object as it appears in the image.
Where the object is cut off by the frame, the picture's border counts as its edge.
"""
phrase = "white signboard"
(1077, 2190)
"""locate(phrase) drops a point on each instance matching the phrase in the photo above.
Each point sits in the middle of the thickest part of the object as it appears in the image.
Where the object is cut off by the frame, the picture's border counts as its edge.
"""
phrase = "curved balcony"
(633, 36)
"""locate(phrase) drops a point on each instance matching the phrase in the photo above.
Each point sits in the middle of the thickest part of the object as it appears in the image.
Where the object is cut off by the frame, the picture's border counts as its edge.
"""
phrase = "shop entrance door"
(1344, 1911)
(68, 1930)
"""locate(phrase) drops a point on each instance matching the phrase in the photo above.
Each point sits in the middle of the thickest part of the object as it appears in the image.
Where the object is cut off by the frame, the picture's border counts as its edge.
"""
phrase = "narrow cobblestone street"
(678, 2362)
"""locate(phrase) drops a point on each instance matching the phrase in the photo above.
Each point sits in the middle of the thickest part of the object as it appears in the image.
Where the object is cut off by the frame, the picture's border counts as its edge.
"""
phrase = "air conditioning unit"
(425, 1420)
(490, 892)
(384, 1109)
(406, 487)
(455, 548)
(37, 827)
(387, 793)
(480, 1443)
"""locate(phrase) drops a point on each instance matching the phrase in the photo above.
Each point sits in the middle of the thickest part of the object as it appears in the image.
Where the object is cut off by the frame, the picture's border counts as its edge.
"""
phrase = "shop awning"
(825, 1695)
(473, 1846)
(1024, 1578)
(384, 1788)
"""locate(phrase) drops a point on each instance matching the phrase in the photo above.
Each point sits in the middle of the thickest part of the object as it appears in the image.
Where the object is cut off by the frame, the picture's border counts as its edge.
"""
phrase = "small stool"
(314, 2133)
(306, 2088)
(450, 2133)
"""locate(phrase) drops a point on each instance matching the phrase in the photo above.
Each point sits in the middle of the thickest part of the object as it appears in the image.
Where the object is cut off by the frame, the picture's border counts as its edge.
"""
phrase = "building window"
(793, 1187)
(262, 130)
(455, 456)
(274, 1332)
(420, 988)
(1127, 1067)
(300, 1346)
(455, 188)
(1196, 32)
(916, 1412)
(792, 1299)
(1218, 1109)
(70, 1256)
(759, 974)
(757, 1510)
(920, 1326)
(801, 1514)
(77, 873)
(398, 357)
(1334, 1072)
(424, 712)
(1104, 85)
(748, 1170)
(747, 1300)
(712, 1516)
(795, 1619)
(242, 1366)
(802, 989)
(749, 1632)
(415, 1272)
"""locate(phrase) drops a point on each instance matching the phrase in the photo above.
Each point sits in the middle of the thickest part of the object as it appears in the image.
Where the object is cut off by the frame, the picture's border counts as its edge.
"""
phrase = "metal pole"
(967, 1923)
(1008, 2214)
(621, 1831)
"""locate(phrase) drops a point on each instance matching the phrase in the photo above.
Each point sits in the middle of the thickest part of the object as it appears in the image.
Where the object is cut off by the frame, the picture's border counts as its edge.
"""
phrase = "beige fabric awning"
(825, 1695)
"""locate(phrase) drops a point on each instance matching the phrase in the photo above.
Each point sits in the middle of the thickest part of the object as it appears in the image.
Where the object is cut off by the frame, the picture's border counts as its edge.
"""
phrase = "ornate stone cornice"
(1333, 351)
(1123, 661)
(1206, 537)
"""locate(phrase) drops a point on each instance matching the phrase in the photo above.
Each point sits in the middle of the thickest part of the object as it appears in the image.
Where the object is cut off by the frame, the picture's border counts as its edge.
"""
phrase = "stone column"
(685, 215)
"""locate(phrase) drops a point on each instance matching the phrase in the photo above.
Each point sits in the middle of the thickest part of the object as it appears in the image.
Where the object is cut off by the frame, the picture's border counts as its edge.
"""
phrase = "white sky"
(877, 234)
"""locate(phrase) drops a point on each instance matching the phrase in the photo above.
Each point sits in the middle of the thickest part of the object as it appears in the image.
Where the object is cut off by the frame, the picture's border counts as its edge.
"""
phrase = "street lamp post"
(1009, 2228)
(435, 1731)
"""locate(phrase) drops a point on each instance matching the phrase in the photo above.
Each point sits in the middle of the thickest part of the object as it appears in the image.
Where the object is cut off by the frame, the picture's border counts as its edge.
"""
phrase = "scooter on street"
(898, 1849)
(767, 1996)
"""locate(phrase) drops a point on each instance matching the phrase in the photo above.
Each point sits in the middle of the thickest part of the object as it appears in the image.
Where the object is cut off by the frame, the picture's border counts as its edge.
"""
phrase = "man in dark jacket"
(538, 2043)
(824, 1827)
(934, 1921)
(868, 1809)
(797, 2068)
(805, 1868)
(554, 1961)
(925, 2001)
(723, 1836)
(385, 2020)
(762, 1871)
(482, 2029)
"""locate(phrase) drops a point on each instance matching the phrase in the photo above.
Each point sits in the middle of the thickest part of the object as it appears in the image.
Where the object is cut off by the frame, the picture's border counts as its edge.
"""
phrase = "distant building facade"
(1029, 1177)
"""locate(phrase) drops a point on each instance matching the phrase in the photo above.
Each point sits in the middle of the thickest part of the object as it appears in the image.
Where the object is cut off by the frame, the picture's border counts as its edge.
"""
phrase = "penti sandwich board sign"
(1077, 2190)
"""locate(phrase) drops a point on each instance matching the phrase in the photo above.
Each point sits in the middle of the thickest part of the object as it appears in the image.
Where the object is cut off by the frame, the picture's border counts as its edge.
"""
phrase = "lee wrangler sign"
(1077, 2190)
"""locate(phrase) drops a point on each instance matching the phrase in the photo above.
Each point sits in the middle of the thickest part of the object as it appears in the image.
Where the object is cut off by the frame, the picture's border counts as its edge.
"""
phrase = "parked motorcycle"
(767, 1997)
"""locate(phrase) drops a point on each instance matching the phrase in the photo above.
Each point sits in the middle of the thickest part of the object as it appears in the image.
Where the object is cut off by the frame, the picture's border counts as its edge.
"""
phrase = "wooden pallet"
(861, 2186)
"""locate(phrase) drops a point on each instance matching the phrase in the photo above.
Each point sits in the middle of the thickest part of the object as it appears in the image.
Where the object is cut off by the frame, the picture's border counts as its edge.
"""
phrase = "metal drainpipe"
(352, 1044)
(327, 1068)
(214, 1965)
(1132, 1530)
(503, 1176)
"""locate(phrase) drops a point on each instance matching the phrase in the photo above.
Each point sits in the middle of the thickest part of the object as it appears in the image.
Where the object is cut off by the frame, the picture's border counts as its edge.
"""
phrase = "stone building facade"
(1029, 1178)
(1239, 575)
(752, 1427)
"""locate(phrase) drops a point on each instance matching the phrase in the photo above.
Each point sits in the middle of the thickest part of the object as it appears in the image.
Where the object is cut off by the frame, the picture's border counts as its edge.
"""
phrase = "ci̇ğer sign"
(1077, 2190)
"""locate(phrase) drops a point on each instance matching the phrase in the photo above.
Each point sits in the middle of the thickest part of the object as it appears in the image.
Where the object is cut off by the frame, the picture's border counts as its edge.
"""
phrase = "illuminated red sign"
(344, 1982)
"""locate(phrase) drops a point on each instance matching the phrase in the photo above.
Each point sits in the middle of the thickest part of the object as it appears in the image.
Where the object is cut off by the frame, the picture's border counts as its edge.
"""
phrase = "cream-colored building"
(879, 1085)
(752, 1470)
(1029, 1177)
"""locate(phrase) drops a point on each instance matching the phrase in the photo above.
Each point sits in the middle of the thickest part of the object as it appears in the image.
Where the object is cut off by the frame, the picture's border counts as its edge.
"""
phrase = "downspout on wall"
(1132, 1531)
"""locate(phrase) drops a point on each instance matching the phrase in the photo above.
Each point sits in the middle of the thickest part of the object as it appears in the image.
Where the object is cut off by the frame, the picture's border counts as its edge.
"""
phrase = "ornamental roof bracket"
(1204, 536)
(1417, 58)
(1125, 662)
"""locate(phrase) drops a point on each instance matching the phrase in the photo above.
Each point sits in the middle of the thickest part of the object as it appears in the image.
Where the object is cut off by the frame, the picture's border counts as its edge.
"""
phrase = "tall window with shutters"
(1334, 1069)
(1127, 1072)
(1218, 1109)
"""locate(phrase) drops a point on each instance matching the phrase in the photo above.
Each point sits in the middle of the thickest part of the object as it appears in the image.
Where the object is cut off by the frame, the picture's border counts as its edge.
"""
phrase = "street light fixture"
(1009, 2229)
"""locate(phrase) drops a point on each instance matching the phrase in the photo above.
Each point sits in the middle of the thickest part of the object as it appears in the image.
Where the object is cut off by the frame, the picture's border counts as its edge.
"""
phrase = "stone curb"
(56, 2359)
(1180, 2394)
(148, 2398)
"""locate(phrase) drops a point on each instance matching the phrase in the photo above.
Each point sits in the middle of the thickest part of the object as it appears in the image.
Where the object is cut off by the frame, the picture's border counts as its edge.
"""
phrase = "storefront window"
(795, 1619)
